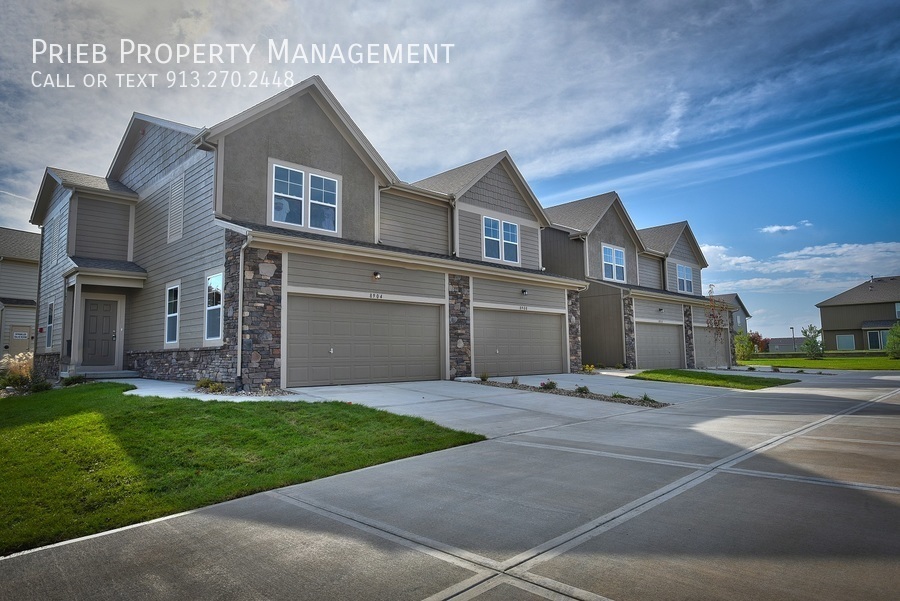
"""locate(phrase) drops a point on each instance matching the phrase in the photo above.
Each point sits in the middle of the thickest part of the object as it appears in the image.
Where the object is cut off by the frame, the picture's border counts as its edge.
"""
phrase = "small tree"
(812, 342)
(893, 342)
(717, 318)
(743, 346)
(759, 343)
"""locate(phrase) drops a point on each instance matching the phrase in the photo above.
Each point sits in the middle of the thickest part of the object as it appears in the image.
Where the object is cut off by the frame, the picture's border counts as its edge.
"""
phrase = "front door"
(99, 342)
(19, 339)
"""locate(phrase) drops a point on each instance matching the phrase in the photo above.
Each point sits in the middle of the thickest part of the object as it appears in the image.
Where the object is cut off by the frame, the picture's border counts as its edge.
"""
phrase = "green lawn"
(681, 376)
(86, 459)
(829, 363)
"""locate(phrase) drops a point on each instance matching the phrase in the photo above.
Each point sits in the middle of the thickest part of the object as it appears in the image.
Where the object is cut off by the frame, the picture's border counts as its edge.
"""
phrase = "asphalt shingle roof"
(662, 238)
(110, 264)
(17, 244)
(581, 215)
(458, 178)
(93, 182)
(733, 300)
(877, 290)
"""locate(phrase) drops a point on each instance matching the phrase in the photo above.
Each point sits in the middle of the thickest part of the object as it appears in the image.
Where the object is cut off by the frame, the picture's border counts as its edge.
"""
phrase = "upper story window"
(301, 198)
(501, 240)
(685, 279)
(613, 263)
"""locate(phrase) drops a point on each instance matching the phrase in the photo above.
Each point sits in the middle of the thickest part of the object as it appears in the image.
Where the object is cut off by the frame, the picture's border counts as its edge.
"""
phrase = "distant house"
(644, 307)
(859, 318)
(20, 254)
(739, 314)
(785, 345)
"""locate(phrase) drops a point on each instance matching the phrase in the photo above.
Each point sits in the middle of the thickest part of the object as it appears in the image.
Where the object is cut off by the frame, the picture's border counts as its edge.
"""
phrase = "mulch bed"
(590, 395)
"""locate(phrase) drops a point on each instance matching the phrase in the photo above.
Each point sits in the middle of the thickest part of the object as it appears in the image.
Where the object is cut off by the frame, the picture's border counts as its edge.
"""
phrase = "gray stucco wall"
(612, 231)
(299, 133)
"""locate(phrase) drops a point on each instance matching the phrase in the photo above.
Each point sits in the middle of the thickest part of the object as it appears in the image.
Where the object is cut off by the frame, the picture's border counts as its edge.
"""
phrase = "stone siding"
(46, 366)
(216, 363)
(630, 341)
(261, 320)
(690, 357)
(573, 310)
(460, 326)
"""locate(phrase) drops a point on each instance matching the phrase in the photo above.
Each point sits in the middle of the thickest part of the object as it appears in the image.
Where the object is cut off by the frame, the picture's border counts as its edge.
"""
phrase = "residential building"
(644, 306)
(278, 248)
(859, 318)
(19, 259)
(786, 344)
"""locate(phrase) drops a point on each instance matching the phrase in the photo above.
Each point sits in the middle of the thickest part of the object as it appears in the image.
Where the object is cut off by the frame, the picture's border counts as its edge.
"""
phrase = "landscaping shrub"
(582, 390)
(548, 385)
(587, 368)
(743, 346)
(216, 387)
(41, 386)
(484, 376)
(892, 347)
(812, 342)
(204, 383)
(17, 371)
(72, 380)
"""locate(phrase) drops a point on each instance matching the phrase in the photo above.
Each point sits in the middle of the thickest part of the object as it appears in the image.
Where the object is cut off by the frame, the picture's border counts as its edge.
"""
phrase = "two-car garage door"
(348, 341)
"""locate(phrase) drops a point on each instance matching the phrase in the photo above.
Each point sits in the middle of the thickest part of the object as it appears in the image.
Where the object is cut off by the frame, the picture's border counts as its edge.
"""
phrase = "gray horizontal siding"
(683, 252)
(650, 272)
(56, 229)
(497, 192)
(506, 293)
(672, 273)
(15, 316)
(417, 225)
(156, 154)
(200, 249)
(18, 279)
(649, 310)
(101, 229)
(334, 274)
(529, 241)
(470, 235)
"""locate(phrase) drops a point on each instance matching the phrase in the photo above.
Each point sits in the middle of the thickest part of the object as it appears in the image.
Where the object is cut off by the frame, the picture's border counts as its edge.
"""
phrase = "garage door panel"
(659, 346)
(517, 343)
(707, 353)
(371, 341)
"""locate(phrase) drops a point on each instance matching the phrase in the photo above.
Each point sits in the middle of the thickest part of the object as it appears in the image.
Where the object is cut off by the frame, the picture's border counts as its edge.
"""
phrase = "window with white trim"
(172, 310)
(897, 310)
(213, 307)
(49, 342)
(322, 203)
(287, 199)
(501, 240)
(877, 339)
(685, 279)
(613, 263)
(845, 342)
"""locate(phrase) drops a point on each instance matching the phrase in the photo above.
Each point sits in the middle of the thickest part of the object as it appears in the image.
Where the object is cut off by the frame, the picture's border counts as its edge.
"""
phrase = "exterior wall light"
(524, 292)
(376, 275)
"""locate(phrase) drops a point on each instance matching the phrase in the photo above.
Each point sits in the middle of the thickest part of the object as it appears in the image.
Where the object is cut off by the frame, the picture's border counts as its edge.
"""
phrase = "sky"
(772, 127)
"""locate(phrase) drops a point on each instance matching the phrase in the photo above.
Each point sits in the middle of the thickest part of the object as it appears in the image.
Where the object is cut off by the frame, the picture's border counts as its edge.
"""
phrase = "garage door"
(659, 345)
(340, 341)
(509, 343)
(706, 353)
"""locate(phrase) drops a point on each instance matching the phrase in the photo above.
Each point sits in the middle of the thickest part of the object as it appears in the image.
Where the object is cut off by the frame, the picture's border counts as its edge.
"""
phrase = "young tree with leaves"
(812, 342)
(717, 318)
(892, 348)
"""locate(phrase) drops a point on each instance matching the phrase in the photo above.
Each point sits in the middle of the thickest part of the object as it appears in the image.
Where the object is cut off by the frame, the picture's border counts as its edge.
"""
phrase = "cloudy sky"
(772, 127)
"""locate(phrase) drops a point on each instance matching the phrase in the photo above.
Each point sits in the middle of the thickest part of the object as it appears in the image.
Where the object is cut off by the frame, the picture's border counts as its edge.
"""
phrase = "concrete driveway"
(785, 493)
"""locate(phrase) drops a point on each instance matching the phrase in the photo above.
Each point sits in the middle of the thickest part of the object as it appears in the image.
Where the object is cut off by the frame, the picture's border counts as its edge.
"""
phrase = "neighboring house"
(859, 318)
(786, 345)
(278, 249)
(20, 254)
(644, 306)
(740, 316)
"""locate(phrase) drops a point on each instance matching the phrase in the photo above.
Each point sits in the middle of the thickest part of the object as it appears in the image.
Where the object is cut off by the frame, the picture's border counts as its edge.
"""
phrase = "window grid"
(685, 279)
(613, 264)
(172, 301)
(214, 307)
(492, 238)
(322, 203)
(49, 342)
(287, 201)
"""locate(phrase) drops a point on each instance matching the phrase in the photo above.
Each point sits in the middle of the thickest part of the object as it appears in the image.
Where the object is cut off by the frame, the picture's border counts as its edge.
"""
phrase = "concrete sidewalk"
(790, 492)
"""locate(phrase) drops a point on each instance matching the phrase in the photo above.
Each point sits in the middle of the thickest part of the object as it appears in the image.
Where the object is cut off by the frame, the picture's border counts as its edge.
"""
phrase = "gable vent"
(176, 208)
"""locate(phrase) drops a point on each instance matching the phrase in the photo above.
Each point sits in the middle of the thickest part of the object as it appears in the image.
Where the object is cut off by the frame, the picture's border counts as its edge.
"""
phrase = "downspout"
(239, 347)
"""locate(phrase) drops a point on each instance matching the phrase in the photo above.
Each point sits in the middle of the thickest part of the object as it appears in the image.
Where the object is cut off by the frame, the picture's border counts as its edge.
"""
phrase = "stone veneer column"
(630, 347)
(573, 307)
(460, 326)
(689, 357)
(261, 327)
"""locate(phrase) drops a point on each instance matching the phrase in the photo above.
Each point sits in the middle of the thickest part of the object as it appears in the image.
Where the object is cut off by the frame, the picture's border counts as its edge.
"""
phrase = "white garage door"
(509, 343)
(340, 341)
(659, 345)
(707, 354)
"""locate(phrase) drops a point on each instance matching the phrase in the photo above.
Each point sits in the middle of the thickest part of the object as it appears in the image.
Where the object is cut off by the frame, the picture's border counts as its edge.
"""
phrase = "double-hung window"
(214, 307)
(49, 325)
(322, 203)
(172, 304)
(501, 240)
(301, 198)
(287, 201)
(685, 279)
(613, 263)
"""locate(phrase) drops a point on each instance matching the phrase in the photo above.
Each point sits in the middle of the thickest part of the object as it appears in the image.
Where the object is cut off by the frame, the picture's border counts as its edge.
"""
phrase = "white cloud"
(773, 229)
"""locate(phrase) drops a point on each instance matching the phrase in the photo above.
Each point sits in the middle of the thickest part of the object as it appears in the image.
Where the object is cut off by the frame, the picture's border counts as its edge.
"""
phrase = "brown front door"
(19, 339)
(99, 340)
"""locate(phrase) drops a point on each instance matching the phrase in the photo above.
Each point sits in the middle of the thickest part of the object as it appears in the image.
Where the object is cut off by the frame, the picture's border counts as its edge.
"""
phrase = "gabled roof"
(876, 290)
(133, 133)
(16, 244)
(735, 301)
(457, 181)
(662, 238)
(580, 217)
(316, 88)
(78, 182)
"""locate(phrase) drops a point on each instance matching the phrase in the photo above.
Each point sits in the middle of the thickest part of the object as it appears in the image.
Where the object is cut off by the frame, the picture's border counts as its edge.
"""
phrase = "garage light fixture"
(524, 292)
(660, 309)
(376, 275)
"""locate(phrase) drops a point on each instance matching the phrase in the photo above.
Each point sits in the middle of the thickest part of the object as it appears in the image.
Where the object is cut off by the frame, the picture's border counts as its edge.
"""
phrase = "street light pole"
(793, 340)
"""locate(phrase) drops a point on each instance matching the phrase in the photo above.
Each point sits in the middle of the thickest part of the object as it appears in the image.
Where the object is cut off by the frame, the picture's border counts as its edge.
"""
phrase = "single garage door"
(341, 341)
(707, 353)
(659, 345)
(509, 343)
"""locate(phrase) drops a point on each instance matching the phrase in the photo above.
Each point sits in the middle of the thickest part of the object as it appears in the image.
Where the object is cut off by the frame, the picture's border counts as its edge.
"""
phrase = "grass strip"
(682, 376)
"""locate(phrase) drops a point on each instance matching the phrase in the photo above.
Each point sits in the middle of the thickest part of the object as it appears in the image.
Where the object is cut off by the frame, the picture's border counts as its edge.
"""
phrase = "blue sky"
(772, 127)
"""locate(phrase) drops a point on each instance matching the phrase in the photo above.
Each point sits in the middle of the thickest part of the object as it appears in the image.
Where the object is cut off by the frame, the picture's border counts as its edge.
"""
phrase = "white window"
(49, 325)
(613, 263)
(877, 339)
(685, 279)
(846, 342)
(501, 240)
(214, 307)
(322, 203)
(172, 305)
(287, 200)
